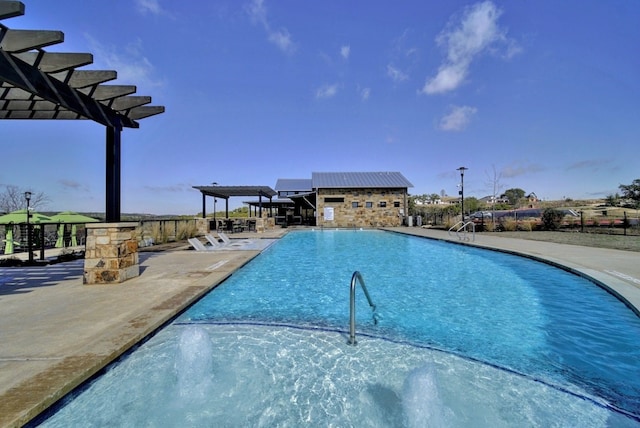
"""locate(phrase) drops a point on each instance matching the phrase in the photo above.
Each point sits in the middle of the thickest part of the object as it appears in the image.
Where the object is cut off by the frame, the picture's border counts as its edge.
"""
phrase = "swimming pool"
(465, 335)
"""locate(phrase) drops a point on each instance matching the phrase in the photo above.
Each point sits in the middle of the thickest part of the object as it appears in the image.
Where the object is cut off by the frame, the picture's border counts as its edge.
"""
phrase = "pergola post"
(113, 161)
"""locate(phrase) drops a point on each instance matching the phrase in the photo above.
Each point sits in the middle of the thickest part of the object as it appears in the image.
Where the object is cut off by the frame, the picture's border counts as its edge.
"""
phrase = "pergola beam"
(85, 78)
(55, 62)
(11, 9)
(20, 74)
(16, 41)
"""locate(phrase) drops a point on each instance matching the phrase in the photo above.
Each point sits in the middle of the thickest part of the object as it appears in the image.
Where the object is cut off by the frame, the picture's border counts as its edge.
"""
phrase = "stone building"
(349, 199)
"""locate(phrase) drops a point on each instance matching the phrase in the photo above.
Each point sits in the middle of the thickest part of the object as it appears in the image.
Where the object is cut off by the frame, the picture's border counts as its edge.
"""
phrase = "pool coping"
(58, 334)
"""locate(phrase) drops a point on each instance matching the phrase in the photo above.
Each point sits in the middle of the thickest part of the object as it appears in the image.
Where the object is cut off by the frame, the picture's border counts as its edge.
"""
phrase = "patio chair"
(199, 246)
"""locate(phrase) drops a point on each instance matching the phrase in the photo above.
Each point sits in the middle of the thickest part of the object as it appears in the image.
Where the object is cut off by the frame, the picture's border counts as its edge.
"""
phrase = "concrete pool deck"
(56, 332)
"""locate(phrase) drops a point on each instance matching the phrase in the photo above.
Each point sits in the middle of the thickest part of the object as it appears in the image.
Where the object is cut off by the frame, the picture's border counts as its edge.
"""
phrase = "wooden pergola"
(40, 85)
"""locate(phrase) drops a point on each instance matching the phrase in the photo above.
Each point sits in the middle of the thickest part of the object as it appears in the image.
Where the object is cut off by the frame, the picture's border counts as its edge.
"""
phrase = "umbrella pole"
(42, 242)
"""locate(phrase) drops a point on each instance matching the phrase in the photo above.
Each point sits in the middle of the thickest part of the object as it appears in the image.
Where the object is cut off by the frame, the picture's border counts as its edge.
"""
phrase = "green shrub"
(551, 219)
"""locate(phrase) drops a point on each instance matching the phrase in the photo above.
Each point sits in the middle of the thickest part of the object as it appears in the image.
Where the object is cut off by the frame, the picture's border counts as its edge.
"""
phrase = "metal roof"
(323, 180)
(293, 185)
(35, 84)
(225, 192)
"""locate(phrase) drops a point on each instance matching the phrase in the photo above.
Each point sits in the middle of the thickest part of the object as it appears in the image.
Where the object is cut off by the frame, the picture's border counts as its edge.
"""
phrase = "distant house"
(347, 199)
(490, 200)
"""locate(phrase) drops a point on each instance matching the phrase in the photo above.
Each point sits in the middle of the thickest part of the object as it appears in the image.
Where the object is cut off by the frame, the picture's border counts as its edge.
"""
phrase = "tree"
(514, 195)
(612, 200)
(13, 199)
(493, 182)
(551, 219)
(471, 204)
(631, 191)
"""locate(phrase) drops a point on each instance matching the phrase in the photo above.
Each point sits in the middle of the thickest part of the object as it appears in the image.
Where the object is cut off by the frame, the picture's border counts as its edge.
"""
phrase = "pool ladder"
(357, 277)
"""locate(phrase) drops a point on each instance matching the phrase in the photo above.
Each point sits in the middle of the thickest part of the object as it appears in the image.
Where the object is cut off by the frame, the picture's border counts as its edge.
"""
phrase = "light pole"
(462, 169)
(27, 196)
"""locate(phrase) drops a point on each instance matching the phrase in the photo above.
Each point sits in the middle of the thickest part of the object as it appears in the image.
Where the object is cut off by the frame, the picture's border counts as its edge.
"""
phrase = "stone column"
(202, 226)
(111, 255)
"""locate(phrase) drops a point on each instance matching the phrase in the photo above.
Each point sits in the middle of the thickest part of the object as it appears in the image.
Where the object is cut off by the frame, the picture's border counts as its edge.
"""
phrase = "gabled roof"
(324, 180)
(293, 185)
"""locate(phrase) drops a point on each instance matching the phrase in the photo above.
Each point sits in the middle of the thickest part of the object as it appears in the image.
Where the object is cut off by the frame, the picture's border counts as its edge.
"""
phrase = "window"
(396, 204)
(354, 204)
(383, 204)
(333, 200)
(369, 204)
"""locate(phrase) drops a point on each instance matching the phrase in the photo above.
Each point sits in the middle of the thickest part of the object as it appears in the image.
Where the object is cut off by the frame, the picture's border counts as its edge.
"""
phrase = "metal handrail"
(357, 277)
(454, 226)
(464, 229)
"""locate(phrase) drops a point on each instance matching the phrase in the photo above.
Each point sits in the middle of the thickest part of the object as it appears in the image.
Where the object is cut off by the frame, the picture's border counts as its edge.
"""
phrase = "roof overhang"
(305, 198)
(225, 192)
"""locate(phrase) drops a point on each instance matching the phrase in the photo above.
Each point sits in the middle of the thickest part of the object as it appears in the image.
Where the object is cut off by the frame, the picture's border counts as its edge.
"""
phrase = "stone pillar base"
(111, 255)
(202, 226)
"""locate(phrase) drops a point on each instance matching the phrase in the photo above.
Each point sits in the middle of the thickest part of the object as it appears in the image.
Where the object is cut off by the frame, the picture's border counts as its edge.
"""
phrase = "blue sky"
(542, 94)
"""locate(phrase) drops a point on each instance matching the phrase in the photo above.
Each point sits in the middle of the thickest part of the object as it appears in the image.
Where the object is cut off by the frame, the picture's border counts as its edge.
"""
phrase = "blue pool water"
(466, 336)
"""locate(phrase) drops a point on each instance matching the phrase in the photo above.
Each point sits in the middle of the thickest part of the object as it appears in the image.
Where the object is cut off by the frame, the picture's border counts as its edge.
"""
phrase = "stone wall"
(111, 254)
(362, 207)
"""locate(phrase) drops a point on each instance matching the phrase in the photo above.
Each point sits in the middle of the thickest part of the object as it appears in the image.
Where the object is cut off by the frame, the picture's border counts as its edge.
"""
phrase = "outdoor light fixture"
(462, 169)
(27, 196)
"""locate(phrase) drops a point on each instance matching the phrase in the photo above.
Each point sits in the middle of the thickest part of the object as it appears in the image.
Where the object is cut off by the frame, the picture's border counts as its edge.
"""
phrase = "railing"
(464, 230)
(357, 277)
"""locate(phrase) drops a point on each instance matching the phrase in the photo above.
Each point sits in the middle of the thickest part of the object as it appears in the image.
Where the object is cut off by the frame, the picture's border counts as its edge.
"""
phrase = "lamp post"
(462, 169)
(27, 196)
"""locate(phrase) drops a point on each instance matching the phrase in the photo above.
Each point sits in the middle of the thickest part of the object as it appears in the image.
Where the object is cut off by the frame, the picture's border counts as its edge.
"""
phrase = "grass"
(598, 240)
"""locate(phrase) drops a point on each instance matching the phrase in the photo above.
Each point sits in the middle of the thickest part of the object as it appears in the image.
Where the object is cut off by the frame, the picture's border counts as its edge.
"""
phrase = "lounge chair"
(199, 246)
(228, 241)
(213, 241)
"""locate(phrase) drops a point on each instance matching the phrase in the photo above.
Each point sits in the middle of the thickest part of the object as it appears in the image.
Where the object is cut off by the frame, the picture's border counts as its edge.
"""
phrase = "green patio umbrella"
(8, 239)
(19, 217)
(74, 219)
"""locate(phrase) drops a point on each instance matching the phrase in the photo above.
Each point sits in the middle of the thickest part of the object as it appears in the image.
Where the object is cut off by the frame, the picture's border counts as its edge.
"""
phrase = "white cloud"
(457, 119)
(365, 93)
(149, 6)
(257, 12)
(327, 91)
(476, 32)
(132, 65)
(345, 51)
(396, 74)
(282, 39)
